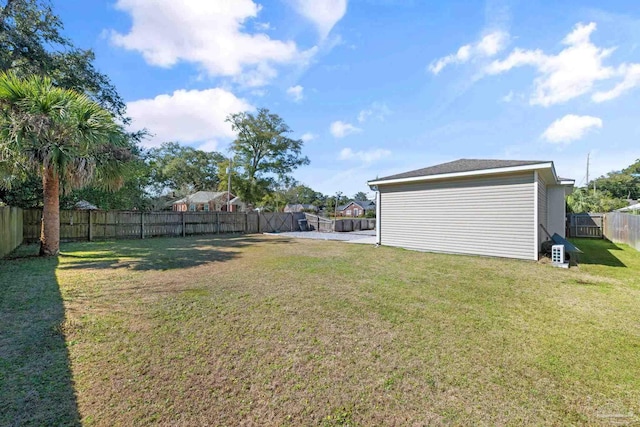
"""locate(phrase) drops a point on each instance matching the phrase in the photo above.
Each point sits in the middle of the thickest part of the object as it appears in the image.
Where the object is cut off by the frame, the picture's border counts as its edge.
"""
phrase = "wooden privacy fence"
(585, 225)
(355, 224)
(319, 223)
(622, 228)
(95, 225)
(11, 229)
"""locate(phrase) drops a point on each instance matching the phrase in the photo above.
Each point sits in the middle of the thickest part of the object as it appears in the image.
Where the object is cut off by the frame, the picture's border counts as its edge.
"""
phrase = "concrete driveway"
(367, 237)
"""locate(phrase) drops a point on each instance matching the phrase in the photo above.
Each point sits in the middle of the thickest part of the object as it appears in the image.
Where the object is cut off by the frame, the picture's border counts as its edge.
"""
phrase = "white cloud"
(187, 116)
(308, 136)
(487, 46)
(567, 75)
(263, 26)
(324, 14)
(492, 43)
(207, 33)
(377, 110)
(209, 146)
(295, 92)
(570, 128)
(369, 156)
(508, 97)
(631, 79)
(340, 129)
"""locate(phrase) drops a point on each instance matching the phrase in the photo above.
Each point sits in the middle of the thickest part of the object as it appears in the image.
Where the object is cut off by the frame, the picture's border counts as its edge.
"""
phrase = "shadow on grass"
(597, 251)
(157, 254)
(35, 375)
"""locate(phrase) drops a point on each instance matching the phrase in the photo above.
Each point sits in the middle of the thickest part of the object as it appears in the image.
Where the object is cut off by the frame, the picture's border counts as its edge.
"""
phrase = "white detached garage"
(469, 206)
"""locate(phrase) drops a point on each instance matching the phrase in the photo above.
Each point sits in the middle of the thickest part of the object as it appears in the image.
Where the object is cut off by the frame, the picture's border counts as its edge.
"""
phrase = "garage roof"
(471, 167)
(462, 165)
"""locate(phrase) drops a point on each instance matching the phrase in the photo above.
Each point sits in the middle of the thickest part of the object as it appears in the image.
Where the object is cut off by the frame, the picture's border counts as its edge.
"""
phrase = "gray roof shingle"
(462, 165)
(201, 197)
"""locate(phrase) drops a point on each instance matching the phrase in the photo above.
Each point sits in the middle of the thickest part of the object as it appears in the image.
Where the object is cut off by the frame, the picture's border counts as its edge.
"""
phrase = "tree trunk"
(50, 233)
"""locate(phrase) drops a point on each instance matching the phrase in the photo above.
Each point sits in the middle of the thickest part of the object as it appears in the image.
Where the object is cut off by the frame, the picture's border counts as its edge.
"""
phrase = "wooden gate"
(585, 225)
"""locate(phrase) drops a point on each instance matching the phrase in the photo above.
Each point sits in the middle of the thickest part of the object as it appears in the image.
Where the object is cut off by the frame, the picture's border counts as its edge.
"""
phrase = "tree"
(264, 154)
(183, 169)
(299, 193)
(31, 42)
(360, 196)
(587, 200)
(62, 136)
(331, 202)
(624, 184)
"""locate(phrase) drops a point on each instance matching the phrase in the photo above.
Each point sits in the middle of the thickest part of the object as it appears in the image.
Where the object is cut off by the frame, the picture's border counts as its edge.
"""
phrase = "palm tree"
(62, 136)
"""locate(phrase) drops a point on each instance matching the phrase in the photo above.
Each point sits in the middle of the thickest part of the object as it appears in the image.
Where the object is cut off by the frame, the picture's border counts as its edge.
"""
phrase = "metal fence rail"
(622, 228)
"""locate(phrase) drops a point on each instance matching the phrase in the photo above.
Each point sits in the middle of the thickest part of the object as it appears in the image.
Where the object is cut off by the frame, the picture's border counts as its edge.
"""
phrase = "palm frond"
(42, 126)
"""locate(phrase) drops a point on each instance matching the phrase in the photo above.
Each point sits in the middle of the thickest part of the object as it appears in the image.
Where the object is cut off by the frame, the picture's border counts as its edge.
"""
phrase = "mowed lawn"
(259, 330)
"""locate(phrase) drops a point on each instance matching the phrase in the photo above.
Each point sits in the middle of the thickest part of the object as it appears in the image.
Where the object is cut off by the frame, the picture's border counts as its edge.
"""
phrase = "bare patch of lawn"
(256, 330)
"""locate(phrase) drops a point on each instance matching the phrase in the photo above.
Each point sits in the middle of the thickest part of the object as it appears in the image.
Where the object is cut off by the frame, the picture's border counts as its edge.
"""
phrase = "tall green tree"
(360, 196)
(299, 193)
(183, 169)
(586, 200)
(624, 184)
(62, 136)
(263, 153)
(31, 42)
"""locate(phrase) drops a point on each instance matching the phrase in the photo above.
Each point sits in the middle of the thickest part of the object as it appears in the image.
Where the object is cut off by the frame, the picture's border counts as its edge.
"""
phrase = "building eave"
(481, 172)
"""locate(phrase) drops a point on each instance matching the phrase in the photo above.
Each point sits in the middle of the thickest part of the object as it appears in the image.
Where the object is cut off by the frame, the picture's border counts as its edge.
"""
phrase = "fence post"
(246, 222)
(90, 236)
(184, 231)
(258, 222)
(217, 222)
(292, 222)
(141, 225)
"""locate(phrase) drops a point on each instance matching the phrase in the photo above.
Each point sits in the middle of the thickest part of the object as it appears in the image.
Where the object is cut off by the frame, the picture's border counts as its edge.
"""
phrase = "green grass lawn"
(257, 330)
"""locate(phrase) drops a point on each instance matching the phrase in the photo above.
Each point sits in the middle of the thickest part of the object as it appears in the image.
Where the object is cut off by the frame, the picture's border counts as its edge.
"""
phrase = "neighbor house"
(205, 201)
(356, 208)
(480, 207)
(633, 207)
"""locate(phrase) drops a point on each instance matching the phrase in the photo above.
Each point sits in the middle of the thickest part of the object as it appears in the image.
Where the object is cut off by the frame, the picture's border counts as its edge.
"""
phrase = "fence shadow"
(158, 253)
(598, 251)
(37, 384)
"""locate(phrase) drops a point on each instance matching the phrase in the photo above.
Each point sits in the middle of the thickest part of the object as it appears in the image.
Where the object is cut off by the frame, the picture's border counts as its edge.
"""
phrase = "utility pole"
(588, 154)
(229, 186)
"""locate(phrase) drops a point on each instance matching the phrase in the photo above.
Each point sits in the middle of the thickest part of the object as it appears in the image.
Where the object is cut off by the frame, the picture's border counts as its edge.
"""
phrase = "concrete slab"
(363, 237)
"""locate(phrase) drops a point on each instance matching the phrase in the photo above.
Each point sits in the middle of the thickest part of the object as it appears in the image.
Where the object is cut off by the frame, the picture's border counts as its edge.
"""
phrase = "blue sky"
(377, 87)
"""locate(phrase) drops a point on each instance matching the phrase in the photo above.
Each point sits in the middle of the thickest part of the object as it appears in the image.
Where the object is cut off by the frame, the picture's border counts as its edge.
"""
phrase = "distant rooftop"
(201, 197)
(462, 165)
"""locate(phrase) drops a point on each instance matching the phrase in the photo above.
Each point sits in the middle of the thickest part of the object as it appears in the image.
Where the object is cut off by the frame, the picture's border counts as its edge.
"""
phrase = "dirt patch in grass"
(255, 330)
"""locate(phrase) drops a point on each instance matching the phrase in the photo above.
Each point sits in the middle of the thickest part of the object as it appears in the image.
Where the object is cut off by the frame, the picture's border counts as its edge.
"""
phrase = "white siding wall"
(556, 209)
(542, 211)
(491, 216)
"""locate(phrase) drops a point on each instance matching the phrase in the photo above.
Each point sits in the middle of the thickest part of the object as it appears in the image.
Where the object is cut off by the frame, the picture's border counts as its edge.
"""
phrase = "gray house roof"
(462, 165)
(85, 206)
(364, 204)
(201, 197)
